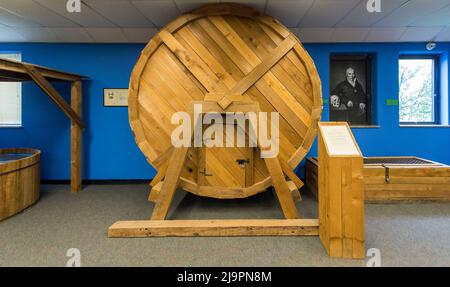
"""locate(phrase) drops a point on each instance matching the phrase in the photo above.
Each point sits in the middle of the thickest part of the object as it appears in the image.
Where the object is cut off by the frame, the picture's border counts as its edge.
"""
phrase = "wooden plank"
(53, 94)
(291, 174)
(238, 66)
(262, 68)
(348, 215)
(281, 188)
(237, 227)
(20, 68)
(159, 175)
(358, 198)
(170, 183)
(269, 85)
(76, 150)
(289, 74)
(155, 192)
(294, 191)
(193, 63)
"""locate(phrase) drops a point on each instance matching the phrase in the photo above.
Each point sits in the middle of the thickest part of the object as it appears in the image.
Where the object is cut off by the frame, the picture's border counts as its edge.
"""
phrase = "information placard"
(339, 141)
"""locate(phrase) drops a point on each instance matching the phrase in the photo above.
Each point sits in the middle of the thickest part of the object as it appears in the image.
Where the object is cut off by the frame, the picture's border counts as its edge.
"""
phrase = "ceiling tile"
(407, 13)
(160, 12)
(107, 35)
(420, 34)
(10, 35)
(38, 35)
(189, 5)
(258, 5)
(121, 13)
(72, 35)
(86, 18)
(349, 34)
(385, 34)
(37, 13)
(288, 12)
(315, 35)
(437, 18)
(11, 20)
(444, 35)
(327, 13)
(139, 35)
(360, 17)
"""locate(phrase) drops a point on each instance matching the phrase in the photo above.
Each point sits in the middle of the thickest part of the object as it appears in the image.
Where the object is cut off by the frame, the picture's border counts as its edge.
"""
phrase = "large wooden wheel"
(224, 49)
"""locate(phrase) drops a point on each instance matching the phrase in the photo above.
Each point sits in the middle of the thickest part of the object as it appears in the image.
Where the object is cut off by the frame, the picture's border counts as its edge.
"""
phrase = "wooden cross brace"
(178, 158)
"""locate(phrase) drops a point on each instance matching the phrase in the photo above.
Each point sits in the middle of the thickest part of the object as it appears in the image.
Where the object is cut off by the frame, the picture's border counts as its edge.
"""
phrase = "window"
(418, 89)
(10, 99)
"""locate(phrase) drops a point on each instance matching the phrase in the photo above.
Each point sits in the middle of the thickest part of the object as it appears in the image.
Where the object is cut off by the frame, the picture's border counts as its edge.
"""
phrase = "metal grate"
(395, 160)
(398, 160)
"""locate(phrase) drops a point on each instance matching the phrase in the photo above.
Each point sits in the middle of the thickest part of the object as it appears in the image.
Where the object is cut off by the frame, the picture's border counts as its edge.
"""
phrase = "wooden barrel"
(19, 179)
(224, 49)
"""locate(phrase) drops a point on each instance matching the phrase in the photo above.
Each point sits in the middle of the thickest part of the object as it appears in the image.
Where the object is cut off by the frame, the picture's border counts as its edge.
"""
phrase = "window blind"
(10, 98)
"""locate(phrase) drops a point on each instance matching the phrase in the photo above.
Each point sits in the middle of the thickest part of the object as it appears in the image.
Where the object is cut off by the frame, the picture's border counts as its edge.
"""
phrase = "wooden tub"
(391, 179)
(19, 179)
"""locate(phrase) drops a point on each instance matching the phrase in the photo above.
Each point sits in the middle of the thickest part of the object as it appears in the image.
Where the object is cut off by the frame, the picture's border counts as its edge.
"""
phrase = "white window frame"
(17, 57)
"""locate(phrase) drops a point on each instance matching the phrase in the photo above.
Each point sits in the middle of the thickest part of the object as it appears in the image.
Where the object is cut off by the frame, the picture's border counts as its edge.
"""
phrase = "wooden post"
(76, 138)
(341, 192)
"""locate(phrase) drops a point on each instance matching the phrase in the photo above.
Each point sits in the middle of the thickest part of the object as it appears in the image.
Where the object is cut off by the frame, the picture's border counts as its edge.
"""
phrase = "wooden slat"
(155, 191)
(281, 188)
(53, 94)
(236, 227)
(192, 62)
(272, 89)
(250, 79)
(170, 183)
(20, 68)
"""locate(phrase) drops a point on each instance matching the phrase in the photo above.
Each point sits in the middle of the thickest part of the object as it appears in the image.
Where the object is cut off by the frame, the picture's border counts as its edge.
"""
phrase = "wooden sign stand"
(159, 226)
(341, 192)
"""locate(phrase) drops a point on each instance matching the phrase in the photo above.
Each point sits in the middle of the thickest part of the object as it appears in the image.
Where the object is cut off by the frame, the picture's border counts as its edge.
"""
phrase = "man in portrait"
(349, 96)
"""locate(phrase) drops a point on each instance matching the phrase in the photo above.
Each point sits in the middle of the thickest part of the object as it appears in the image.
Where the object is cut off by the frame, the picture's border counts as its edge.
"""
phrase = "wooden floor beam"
(239, 227)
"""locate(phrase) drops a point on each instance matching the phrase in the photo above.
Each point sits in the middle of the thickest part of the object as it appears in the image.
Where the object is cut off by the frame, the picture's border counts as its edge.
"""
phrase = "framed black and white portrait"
(351, 89)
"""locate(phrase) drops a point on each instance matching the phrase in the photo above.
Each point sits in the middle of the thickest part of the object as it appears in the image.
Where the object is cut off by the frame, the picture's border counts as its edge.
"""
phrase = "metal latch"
(205, 173)
(242, 162)
(387, 179)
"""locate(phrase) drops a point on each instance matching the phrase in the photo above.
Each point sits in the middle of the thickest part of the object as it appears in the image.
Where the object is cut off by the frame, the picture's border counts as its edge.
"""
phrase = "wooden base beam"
(240, 227)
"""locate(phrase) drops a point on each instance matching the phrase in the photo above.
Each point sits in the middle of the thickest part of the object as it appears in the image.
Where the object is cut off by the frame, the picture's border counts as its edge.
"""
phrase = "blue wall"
(109, 148)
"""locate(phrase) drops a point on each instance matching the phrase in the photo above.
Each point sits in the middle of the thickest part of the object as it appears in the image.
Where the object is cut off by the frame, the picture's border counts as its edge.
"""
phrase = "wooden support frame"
(19, 72)
(163, 191)
(263, 72)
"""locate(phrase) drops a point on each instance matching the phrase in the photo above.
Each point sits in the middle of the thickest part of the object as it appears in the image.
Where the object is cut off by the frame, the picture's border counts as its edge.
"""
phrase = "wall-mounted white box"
(115, 97)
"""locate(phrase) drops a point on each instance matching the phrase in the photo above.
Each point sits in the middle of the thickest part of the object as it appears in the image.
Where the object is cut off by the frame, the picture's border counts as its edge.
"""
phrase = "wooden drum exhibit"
(224, 53)
(19, 180)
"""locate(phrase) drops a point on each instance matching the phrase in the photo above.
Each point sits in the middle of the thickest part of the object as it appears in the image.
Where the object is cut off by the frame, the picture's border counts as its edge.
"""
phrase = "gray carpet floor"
(406, 234)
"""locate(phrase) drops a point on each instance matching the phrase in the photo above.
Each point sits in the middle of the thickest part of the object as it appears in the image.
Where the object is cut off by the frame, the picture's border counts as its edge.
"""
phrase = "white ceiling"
(136, 21)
